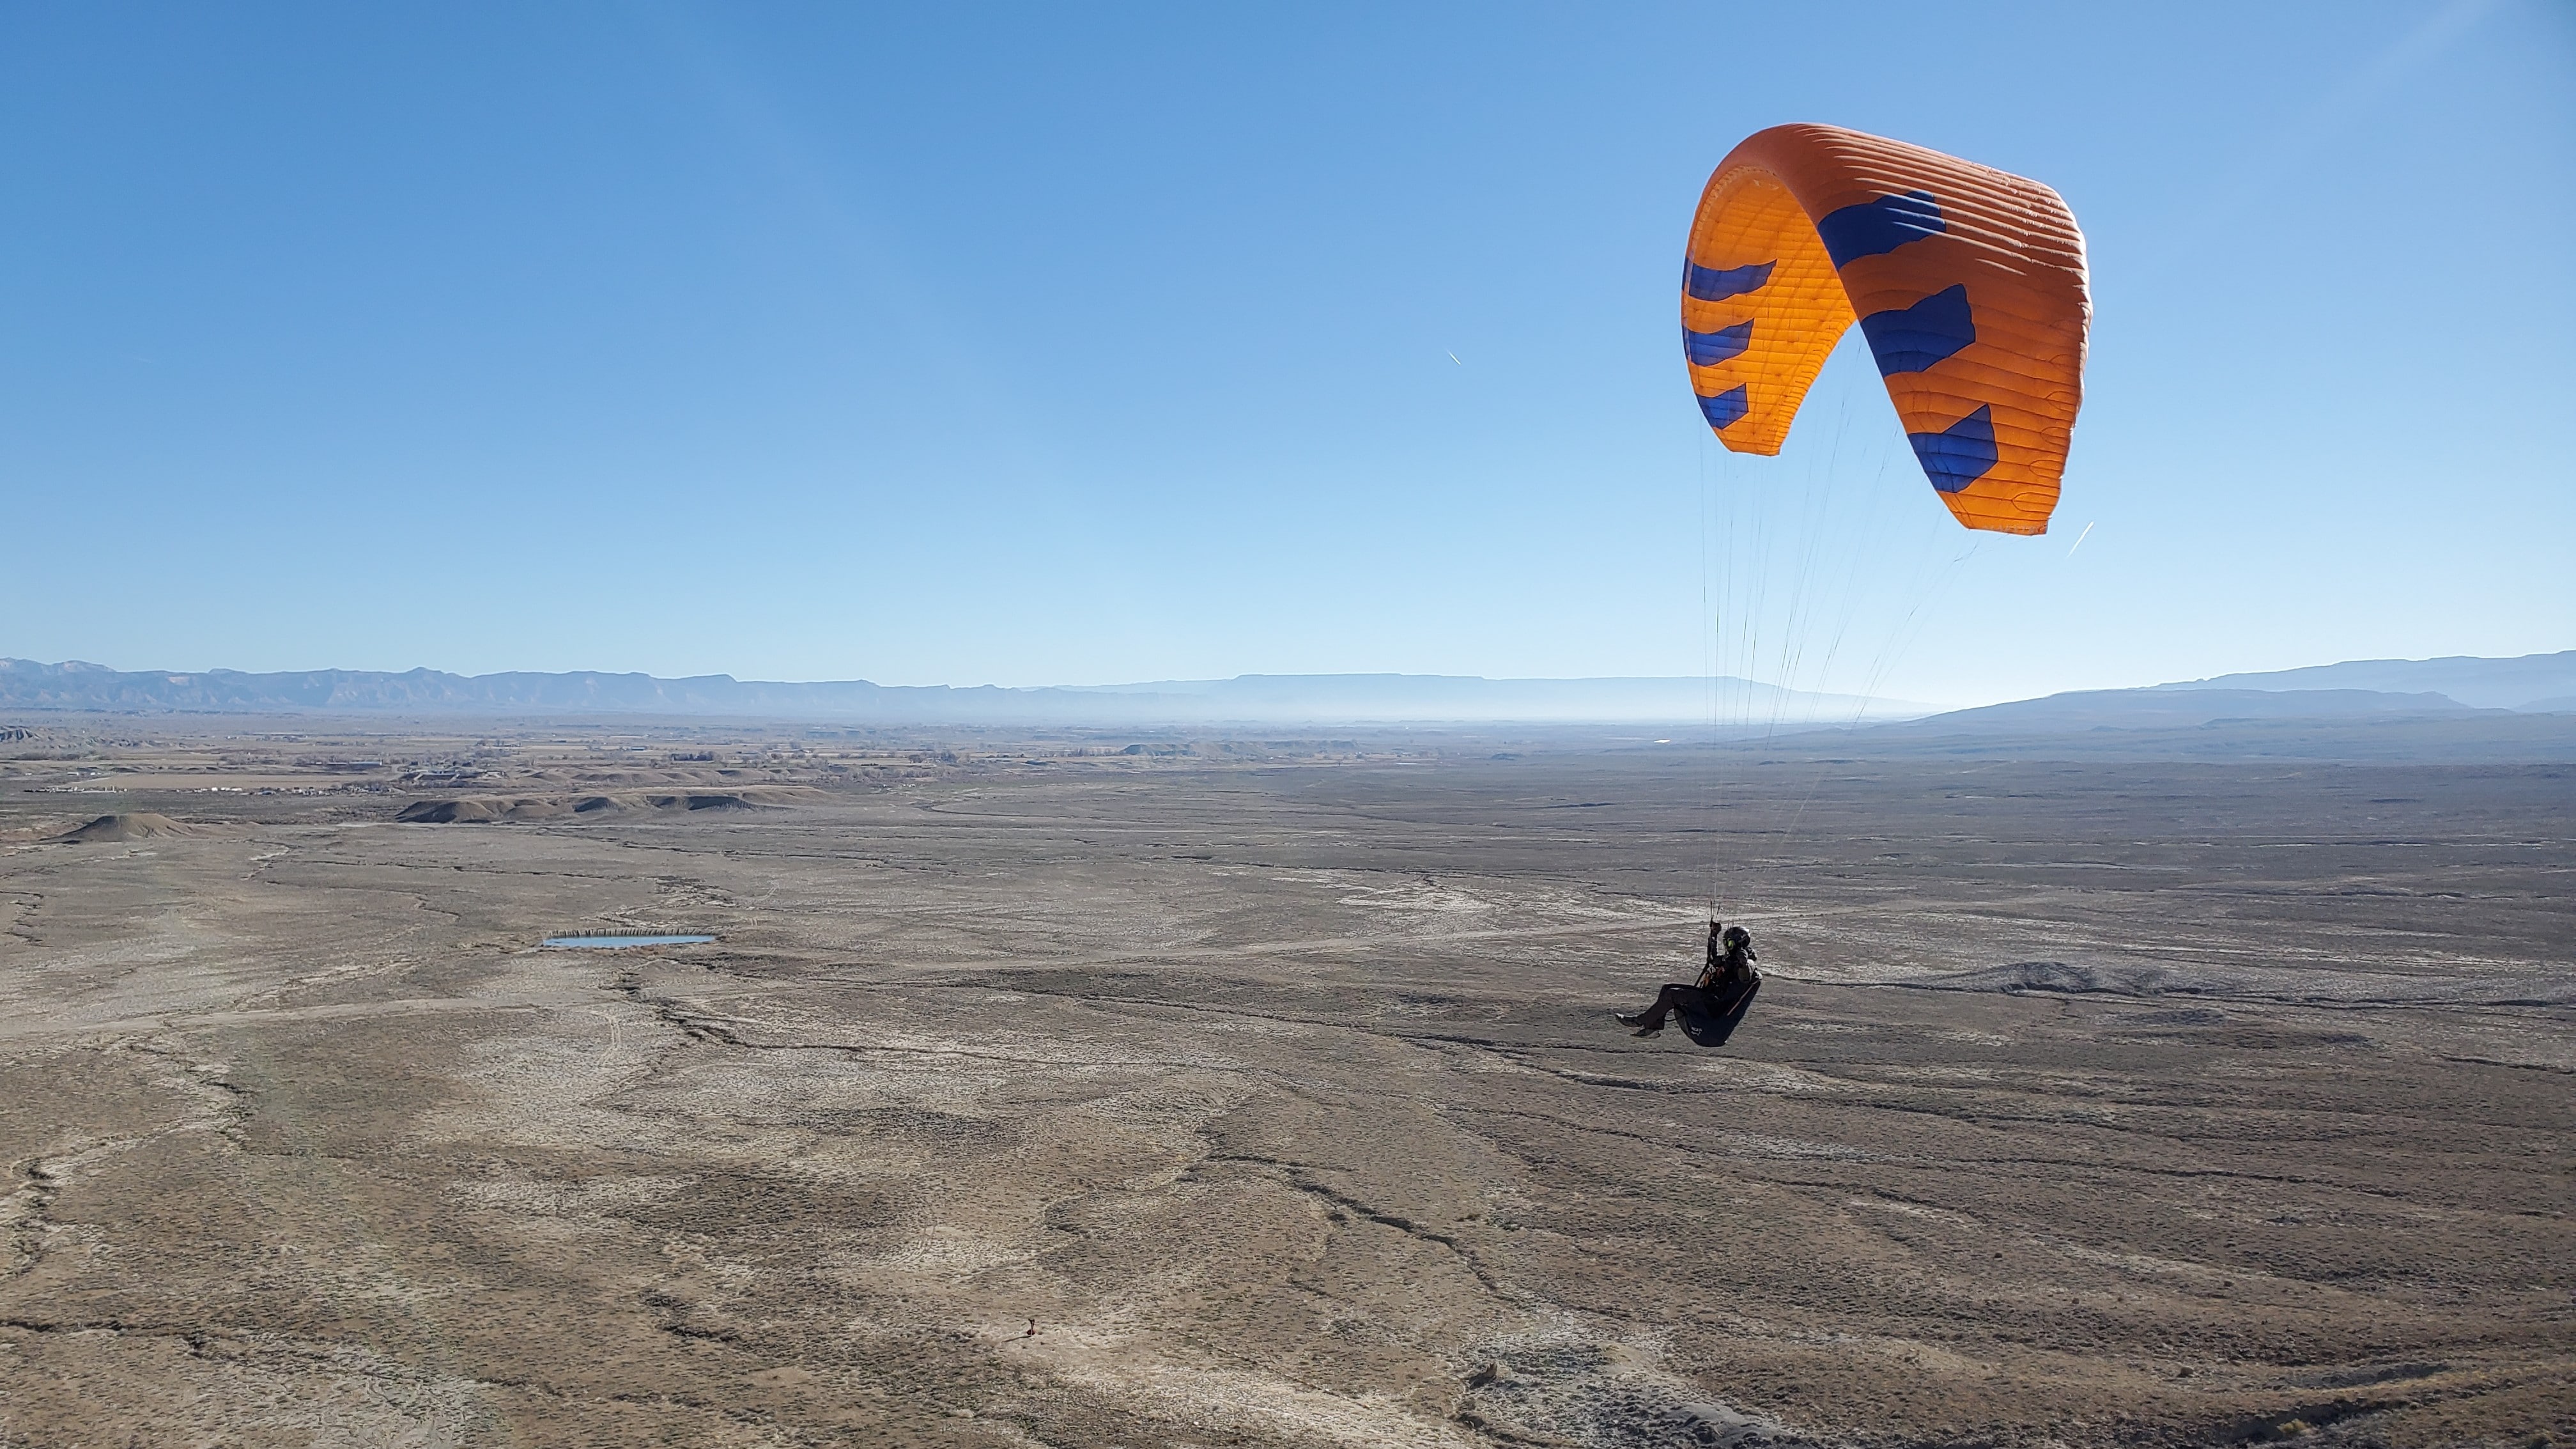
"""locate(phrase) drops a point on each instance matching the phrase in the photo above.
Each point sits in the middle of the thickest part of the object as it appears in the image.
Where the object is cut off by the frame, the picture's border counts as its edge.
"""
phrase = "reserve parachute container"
(1968, 283)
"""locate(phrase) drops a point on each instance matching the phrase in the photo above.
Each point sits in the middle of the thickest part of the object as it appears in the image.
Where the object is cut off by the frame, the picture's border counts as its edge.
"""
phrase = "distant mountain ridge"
(2160, 707)
(2533, 681)
(2357, 690)
(2358, 693)
(1250, 698)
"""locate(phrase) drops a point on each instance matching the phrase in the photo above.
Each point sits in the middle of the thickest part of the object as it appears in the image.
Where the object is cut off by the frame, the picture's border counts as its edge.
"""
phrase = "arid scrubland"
(1206, 1090)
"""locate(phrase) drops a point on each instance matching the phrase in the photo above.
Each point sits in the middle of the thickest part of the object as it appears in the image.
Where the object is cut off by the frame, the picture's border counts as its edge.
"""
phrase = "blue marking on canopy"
(1871, 228)
(1723, 409)
(1711, 284)
(1708, 349)
(1959, 454)
(1910, 339)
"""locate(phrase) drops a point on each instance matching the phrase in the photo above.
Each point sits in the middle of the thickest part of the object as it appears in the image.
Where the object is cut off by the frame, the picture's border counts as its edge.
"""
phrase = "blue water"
(611, 942)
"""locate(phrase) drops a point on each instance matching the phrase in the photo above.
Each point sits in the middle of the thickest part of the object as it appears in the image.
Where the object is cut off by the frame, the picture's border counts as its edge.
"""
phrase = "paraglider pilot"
(1723, 984)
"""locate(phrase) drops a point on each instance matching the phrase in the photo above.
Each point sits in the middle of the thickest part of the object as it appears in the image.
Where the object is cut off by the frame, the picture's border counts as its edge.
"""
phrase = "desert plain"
(1102, 1090)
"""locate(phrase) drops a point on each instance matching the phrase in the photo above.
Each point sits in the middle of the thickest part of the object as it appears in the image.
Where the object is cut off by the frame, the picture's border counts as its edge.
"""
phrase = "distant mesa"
(30, 685)
(2169, 708)
(492, 810)
(2355, 690)
(138, 826)
(2542, 683)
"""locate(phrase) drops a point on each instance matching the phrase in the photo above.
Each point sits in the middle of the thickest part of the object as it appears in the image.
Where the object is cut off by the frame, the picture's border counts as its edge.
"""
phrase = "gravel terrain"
(1099, 1091)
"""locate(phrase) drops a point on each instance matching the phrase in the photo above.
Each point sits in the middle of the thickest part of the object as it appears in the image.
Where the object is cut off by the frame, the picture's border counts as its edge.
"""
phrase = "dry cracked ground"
(1264, 1093)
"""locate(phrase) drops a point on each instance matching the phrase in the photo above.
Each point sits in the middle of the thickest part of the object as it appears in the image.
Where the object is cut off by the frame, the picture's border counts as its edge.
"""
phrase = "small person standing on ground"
(1722, 984)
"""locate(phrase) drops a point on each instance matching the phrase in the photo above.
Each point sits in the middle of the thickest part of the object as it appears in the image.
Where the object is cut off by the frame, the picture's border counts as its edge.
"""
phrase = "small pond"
(613, 942)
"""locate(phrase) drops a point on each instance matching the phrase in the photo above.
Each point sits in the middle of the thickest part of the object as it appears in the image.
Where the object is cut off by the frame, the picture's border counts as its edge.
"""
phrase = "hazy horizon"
(1726, 702)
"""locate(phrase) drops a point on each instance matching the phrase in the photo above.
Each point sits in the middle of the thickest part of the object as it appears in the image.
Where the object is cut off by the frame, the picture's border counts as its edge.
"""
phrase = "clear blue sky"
(1083, 343)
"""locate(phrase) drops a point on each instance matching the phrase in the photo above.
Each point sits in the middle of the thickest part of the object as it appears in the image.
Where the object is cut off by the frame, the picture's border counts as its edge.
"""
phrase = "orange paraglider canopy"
(1968, 282)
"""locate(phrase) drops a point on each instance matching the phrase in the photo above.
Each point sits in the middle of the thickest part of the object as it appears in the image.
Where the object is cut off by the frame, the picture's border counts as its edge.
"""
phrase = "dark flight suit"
(1722, 983)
